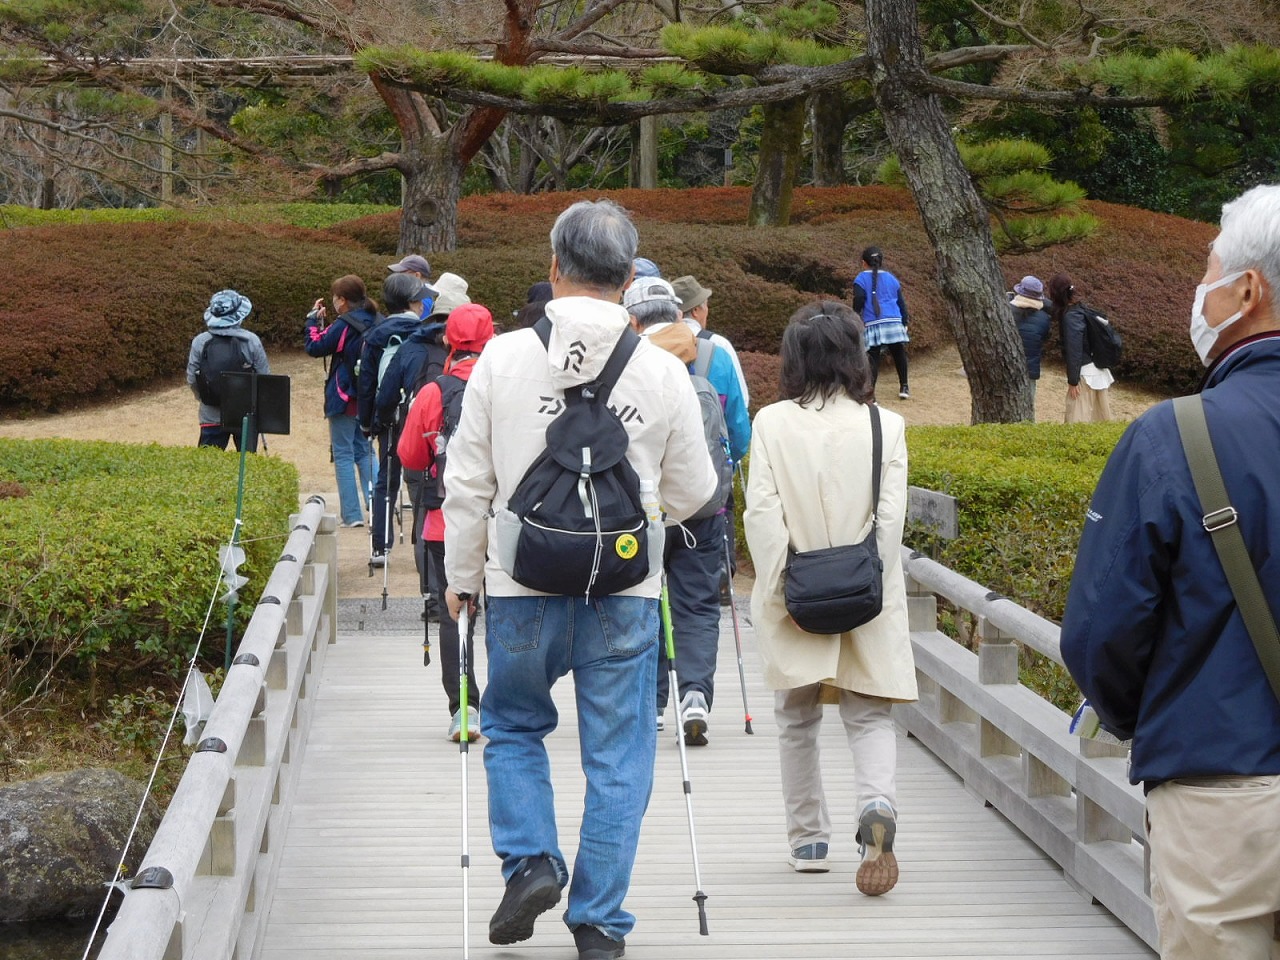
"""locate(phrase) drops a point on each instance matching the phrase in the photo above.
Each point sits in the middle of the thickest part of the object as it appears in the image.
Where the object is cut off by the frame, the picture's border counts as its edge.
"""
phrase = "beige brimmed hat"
(690, 292)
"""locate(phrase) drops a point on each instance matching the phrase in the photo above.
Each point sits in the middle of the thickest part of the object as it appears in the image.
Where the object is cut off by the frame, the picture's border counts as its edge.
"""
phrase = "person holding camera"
(354, 314)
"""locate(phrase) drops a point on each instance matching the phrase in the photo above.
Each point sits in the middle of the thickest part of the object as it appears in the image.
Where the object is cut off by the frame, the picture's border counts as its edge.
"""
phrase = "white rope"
(155, 769)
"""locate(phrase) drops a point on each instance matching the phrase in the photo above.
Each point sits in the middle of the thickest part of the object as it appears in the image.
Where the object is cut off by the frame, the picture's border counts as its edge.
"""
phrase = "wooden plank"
(370, 866)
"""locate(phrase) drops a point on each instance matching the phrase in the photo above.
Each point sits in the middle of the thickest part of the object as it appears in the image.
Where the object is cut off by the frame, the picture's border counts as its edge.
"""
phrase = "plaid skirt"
(888, 330)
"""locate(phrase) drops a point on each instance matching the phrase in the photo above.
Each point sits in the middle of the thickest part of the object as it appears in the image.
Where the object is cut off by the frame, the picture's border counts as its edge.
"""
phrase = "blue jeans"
(693, 590)
(352, 452)
(611, 647)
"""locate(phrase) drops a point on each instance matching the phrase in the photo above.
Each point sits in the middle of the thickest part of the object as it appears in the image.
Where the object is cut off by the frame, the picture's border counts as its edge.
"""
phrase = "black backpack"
(582, 528)
(1104, 341)
(219, 355)
(451, 390)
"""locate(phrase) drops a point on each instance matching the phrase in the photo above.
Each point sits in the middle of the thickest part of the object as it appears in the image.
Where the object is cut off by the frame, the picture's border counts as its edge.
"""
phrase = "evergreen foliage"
(1030, 208)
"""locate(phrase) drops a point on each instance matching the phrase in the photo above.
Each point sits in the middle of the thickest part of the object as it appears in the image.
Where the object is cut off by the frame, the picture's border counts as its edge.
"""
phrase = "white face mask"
(1203, 336)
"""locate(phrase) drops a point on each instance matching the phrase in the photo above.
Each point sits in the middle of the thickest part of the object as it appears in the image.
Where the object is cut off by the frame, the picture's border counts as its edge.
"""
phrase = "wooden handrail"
(203, 885)
(1070, 796)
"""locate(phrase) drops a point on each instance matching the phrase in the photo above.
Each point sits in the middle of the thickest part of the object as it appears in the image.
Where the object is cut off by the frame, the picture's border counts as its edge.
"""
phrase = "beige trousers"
(872, 741)
(1215, 867)
(1089, 405)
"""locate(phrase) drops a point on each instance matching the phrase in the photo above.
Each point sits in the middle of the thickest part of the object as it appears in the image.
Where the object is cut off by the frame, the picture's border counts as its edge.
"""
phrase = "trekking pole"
(699, 897)
(737, 631)
(464, 744)
(388, 534)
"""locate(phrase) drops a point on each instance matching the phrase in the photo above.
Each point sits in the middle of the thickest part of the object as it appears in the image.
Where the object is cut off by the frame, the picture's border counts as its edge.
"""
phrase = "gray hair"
(1250, 237)
(654, 311)
(401, 289)
(594, 244)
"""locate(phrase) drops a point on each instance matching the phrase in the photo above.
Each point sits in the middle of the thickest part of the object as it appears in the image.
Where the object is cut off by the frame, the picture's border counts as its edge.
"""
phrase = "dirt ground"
(167, 415)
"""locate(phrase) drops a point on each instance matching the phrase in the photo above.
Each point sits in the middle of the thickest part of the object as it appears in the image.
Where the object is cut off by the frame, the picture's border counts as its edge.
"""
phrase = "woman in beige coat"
(810, 488)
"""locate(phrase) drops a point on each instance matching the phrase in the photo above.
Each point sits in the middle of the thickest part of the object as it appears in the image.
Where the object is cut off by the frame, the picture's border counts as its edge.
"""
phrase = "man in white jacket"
(533, 639)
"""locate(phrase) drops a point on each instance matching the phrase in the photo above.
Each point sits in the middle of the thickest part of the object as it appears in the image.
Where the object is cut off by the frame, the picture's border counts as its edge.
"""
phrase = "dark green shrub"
(112, 556)
(312, 215)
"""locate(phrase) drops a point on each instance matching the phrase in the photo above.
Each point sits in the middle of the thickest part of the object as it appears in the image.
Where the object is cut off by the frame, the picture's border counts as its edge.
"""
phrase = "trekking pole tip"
(701, 899)
(749, 730)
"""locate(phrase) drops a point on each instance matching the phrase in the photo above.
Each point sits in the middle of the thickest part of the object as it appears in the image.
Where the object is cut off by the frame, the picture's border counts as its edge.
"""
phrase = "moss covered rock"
(60, 841)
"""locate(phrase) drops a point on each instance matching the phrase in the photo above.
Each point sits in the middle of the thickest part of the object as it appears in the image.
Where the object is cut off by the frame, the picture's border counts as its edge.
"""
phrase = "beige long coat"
(810, 487)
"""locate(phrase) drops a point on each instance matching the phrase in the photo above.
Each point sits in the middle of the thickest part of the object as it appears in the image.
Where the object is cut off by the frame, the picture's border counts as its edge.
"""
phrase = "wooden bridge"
(320, 817)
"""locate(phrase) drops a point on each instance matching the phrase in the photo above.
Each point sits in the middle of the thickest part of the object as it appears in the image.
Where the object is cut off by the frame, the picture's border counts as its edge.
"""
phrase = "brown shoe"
(878, 872)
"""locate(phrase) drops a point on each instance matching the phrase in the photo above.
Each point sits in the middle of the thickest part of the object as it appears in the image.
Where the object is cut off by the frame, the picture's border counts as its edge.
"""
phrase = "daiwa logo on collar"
(551, 406)
(1093, 515)
(576, 353)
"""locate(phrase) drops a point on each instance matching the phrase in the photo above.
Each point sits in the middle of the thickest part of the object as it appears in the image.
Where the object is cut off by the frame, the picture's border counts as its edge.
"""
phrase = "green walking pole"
(674, 684)
(235, 540)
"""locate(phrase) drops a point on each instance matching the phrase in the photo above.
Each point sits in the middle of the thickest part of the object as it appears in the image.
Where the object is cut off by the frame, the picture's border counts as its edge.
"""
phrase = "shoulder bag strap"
(1222, 522)
(616, 363)
(877, 454)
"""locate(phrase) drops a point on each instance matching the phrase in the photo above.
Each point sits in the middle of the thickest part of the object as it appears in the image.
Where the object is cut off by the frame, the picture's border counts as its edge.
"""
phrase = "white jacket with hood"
(517, 389)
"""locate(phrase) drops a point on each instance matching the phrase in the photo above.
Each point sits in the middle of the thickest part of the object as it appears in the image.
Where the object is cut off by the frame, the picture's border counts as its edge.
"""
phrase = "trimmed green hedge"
(111, 550)
(317, 216)
(1023, 490)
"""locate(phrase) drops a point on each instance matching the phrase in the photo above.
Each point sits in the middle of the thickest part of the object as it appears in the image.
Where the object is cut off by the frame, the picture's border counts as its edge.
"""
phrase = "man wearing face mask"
(1153, 634)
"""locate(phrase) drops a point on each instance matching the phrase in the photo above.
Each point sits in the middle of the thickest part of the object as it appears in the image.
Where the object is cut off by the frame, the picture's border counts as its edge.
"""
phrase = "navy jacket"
(1033, 326)
(1075, 342)
(1152, 633)
(341, 341)
(401, 325)
(424, 348)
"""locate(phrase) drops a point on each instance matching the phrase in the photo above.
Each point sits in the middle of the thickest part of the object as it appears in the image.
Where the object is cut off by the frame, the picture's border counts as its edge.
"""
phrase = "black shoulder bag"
(839, 588)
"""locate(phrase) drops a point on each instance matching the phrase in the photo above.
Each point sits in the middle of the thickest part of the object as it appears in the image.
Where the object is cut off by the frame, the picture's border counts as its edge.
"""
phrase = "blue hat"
(645, 268)
(227, 309)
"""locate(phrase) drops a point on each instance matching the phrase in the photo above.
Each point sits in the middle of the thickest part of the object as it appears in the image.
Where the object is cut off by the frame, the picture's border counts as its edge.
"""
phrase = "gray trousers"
(872, 741)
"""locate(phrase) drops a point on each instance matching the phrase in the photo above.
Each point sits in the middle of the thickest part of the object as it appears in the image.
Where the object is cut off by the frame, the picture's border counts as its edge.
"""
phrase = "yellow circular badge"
(626, 546)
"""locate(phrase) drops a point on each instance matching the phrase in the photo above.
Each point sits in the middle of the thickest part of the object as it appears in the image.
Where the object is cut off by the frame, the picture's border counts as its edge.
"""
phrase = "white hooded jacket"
(517, 389)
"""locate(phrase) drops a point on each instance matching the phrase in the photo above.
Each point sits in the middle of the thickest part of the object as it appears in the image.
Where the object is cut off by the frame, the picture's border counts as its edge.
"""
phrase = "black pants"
(693, 588)
(899, 352)
(386, 493)
(447, 638)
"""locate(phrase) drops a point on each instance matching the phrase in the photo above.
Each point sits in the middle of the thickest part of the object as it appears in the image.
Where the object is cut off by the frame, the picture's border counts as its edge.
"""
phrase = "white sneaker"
(693, 714)
(662, 723)
(904, 394)
(378, 559)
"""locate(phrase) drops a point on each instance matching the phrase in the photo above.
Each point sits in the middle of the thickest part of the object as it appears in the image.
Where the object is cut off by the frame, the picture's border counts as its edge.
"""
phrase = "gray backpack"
(713, 427)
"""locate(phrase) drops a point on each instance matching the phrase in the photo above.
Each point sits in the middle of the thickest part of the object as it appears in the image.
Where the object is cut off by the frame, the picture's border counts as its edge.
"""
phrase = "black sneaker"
(593, 944)
(532, 890)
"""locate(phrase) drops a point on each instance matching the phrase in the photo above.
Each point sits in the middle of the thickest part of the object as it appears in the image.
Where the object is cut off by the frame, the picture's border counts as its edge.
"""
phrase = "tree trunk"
(829, 122)
(954, 217)
(642, 171)
(780, 142)
(432, 184)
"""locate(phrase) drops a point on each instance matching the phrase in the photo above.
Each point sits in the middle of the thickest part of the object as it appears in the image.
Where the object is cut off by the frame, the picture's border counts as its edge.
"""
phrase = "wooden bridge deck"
(370, 866)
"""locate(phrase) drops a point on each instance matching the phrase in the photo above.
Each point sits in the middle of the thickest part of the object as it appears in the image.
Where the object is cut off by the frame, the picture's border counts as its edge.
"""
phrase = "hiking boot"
(378, 558)
(693, 714)
(904, 393)
(594, 944)
(811, 858)
(473, 725)
(877, 827)
(532, 890)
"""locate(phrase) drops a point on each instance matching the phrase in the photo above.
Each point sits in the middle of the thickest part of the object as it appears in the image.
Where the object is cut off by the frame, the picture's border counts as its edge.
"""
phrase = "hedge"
(1022, 491)
(112, 549)
(100, 307)
(313, 215)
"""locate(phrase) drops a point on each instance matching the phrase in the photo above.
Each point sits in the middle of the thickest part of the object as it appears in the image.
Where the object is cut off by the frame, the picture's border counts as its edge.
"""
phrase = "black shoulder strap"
(704, 334)
(359, 326)
(543, 329)
(617, 362)
(877, 454)
(1222, 523)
